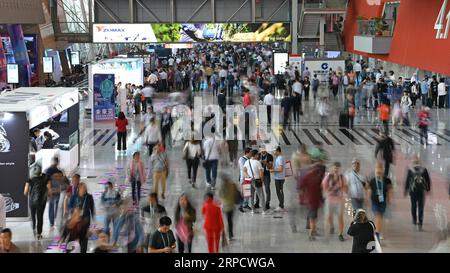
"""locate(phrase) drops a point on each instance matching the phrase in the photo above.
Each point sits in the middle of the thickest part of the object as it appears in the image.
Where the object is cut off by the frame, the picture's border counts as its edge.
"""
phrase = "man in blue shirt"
(424, 87)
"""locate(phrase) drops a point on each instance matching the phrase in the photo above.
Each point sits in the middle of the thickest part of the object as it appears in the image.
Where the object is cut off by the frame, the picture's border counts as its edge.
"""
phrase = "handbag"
(376, 241)
(256, 182)
(206, 164)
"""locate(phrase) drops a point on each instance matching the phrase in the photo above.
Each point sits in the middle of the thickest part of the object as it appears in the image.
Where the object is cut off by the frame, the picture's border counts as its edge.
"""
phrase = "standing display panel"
(280, 62)
(14, 162)
(104, 101)
(12, 73)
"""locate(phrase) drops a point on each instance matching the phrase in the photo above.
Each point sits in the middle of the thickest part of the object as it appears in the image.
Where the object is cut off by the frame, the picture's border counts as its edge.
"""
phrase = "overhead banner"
(295, 60)
(104, 101)
(14, 162)
(192, 33)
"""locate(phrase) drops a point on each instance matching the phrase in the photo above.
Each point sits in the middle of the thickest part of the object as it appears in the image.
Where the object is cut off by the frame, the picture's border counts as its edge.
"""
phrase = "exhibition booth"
(53, 110)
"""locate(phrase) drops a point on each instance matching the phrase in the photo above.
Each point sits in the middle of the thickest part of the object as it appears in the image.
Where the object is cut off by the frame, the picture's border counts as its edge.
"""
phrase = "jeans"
(136, 185)
(280, 193)
(229, 215)
(181, 245)
(423, 134)
(212, 169)
(53, 208)
(37, 217)
(121, 141)
(192, 167)
(417, 204)
(259, 192)
(109, 218)
(266, 181)
(424, 99)
(351, 120)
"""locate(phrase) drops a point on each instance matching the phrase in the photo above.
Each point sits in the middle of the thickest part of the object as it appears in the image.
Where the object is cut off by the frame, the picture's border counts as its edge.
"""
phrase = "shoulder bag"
(256, 182)
(207, 162)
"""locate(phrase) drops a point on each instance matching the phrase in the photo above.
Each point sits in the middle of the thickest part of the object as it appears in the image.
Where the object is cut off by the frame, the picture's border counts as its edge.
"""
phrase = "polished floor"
(272, 232)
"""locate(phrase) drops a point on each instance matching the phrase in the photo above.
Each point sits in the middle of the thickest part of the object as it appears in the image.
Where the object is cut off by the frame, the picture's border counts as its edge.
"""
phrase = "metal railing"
(376, 27)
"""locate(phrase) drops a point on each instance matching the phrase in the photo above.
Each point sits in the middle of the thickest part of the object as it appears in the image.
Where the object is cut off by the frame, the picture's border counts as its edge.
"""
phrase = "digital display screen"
(280, 61)
(48, 64)
(12, 72)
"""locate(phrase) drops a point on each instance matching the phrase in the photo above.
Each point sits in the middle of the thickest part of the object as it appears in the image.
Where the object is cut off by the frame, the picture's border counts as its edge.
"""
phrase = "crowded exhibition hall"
(224, 126)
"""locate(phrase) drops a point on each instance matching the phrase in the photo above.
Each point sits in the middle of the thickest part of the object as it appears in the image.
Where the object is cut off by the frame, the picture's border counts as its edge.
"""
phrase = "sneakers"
(341, 238)
(278, 209)
(248, 207)
(242, 210)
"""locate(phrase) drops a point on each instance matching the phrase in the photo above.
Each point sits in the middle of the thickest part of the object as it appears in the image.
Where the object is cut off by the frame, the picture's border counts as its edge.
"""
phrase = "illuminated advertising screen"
(75, 58)
(192, 33)
(12, 73)
(48, 64)
(280, 61)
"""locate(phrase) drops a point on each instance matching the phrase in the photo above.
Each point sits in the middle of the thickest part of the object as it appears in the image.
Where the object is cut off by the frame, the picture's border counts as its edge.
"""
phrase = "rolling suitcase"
(343, 120)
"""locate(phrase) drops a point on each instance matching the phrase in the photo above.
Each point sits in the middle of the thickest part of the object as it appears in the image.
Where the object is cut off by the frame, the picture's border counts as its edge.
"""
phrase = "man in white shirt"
(357, 68)
(297, 87)
(2, 212)
(147, 91)
(163, 78)
(254, 171)
(152, 135)
(211, 152)
(441, 93)
(269, 100)
(242, 161)
(171, 61)
(222, 76)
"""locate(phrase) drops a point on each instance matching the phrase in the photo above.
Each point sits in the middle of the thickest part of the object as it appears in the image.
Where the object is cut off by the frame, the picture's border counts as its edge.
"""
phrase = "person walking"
(185, 217)
(150, 215)
(405, 104)
(71, 195)
(230, 195)
(315, 86)
(152, 135)
(350, 109)
(379, 190)
(384, 151)
(323, 109)
(36, 189)
(110, 200)
(306, 87)
(279, 174)
(242, 160)
(362, 230)
(423, 122)
(384, 112)
(192, 152)
(296, 106)
(160, 165)
(166, 125)
(128, 232)
(211, 153)
(163, 240)
(136, 176)
(269, 101)
(334, 187)
(87, 213)
(121, 124)
(213, 222)
(55, 179)
(417, 184)
(357, 183)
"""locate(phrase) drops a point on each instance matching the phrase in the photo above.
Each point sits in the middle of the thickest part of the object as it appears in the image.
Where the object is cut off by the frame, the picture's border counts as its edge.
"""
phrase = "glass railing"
(322, 4)
(74, 27)
(376, 27)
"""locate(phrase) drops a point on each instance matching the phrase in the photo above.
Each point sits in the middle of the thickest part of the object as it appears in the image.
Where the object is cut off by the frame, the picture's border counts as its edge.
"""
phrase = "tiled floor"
(272, 233)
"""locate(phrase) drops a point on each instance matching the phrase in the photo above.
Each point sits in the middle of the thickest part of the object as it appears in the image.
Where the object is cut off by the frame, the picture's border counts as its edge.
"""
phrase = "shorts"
(334, 209)
(378, 209)
(312, 213)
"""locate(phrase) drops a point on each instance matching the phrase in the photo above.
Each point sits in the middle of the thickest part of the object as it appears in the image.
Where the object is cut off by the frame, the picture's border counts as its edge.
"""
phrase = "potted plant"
(379, 26)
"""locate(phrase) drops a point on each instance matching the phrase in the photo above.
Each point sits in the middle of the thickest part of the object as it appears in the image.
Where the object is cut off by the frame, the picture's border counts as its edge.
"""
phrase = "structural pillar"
(294, 23)
(322, 31)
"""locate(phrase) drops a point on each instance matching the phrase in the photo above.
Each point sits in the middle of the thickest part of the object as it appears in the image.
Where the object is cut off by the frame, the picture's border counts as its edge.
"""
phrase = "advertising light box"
(280, 61)
(191, 33)
(75, 58)
(12, 72)
(48, 64)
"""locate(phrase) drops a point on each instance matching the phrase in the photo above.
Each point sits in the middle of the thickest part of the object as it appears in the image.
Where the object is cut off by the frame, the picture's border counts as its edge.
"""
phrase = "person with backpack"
(242, 160)
(362, 230)
(384, 151)
(55, 179)
(417, 183)
(36, 188)
(87, 206)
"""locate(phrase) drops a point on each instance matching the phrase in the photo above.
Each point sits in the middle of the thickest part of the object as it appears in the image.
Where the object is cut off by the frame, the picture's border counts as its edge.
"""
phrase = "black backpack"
(38, 190)
(418, 181)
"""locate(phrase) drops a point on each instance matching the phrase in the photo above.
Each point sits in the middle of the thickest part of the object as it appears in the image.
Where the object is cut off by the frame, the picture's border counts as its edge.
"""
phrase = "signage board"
(191, 33)
(104, 99)
(48, 64)
(12, 73)
(280, 62)
(75, 57)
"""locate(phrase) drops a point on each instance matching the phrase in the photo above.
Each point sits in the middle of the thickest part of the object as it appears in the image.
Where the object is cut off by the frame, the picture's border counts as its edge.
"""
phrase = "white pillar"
(294, 23)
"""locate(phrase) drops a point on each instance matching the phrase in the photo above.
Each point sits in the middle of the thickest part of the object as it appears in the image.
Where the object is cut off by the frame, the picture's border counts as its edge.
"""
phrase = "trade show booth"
(22, 112)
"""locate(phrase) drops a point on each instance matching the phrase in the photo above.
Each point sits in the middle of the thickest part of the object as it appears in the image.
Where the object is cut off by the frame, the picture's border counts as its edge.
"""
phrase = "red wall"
(414, 42)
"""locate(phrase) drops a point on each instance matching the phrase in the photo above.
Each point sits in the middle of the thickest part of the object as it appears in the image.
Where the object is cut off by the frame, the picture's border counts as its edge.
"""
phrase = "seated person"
(163, 240)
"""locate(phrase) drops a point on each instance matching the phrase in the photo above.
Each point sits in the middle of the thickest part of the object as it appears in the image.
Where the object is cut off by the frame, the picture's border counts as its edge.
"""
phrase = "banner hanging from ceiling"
(192, 33)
